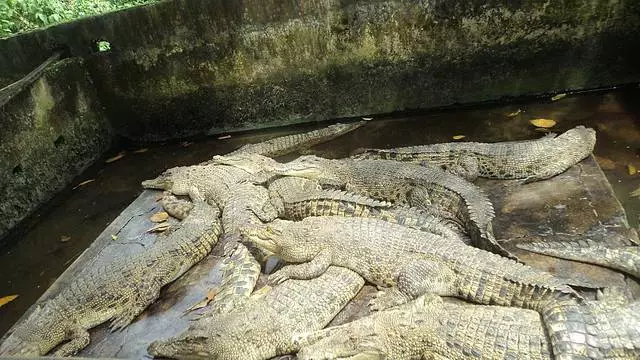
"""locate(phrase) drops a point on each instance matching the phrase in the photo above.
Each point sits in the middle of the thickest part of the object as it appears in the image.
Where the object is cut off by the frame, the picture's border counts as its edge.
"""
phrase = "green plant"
(23, 15)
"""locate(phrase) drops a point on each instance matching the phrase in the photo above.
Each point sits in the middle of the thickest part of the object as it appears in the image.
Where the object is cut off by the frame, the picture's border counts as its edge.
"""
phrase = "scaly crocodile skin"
(623, 258)
(117, 291)
(264, 326)
(532, 160)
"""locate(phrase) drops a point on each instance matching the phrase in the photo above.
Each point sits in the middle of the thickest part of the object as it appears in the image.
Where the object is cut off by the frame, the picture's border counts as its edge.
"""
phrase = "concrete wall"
(48, 135)
(185, 67)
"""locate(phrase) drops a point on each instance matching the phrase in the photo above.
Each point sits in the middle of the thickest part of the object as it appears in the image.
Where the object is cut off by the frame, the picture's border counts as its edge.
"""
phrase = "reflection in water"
(36, 255)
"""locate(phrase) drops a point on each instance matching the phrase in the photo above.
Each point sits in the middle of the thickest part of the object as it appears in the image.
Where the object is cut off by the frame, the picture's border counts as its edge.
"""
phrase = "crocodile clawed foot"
(386, 299)
(278, 277)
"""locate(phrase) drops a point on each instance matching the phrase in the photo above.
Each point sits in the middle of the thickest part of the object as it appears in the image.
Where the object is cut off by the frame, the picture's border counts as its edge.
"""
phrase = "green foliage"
(23, 15)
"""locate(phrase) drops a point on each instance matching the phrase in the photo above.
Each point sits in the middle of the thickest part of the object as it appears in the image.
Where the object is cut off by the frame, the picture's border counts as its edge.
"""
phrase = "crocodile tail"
(623, 258)
(593, 330)
(572, 330)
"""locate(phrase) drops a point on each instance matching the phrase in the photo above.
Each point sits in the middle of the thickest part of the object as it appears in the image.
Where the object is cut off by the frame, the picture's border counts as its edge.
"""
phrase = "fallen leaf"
(7, 299)
(65, 238)
(140, 151)
(84, 183)
(606, 163)
(515, 113)
(114, 237)
(543, 123)
(367, 118)
(160, 227)
(458, 137)
(635, 193)
(224, 137)
(186, 143)
(159, 217)
(558, 97)
(115, 158)
(204, 302)
(631, 169)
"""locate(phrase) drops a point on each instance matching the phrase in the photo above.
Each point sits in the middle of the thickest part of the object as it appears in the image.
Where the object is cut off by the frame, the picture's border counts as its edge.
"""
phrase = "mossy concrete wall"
(186, 67)
(48, 135)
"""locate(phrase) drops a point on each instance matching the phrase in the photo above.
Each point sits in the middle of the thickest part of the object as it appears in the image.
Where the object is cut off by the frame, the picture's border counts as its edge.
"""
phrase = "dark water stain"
(38, 253)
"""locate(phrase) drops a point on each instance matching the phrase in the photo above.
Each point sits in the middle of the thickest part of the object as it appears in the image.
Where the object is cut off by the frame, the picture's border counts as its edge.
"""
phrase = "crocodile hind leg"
(417, 278)
(305, 271)
(466, 166)
(79, 339)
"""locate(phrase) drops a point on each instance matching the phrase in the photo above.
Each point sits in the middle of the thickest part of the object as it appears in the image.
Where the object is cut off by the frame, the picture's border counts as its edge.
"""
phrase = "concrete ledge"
(48, 135)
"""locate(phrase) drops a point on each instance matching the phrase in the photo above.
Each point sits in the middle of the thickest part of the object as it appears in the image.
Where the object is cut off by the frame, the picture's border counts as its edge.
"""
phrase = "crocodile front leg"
(79, 340)
(309, 270)
(417, 278)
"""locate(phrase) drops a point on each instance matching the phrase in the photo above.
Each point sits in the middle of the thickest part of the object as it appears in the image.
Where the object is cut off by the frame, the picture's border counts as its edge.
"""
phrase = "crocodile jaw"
(162, 182)
(190, 347)
(262, 237)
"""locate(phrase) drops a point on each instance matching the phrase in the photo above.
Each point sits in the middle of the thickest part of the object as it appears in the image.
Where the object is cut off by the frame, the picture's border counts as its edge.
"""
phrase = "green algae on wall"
(48, 135)
(185, 67)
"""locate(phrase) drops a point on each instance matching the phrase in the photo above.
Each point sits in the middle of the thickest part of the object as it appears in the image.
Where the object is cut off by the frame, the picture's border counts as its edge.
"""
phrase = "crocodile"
(411, 184)
(431, 328)
(531, 160)
(624, 258)
(240, 274)
(296, 198)
(214, 181)
(410, 263)
(287, 144)
(264, 326)
(117, 291)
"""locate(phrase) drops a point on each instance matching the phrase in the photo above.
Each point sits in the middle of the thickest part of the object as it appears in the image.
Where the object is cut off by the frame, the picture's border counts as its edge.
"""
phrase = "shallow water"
(35, 255)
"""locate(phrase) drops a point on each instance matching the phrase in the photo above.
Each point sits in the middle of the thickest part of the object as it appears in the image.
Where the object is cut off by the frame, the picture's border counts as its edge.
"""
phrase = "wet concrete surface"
(35, 256)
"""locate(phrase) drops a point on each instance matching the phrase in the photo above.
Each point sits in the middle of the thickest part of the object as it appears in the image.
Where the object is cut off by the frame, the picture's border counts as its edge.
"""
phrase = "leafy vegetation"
(23, 15)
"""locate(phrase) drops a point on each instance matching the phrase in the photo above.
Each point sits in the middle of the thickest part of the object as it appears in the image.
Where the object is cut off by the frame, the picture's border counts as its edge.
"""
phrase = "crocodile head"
(251, 163)
(307, 166)
(178, 180)
(162, 182)
(265, 237)
(42, 331)
(290, 240)
(186, 347)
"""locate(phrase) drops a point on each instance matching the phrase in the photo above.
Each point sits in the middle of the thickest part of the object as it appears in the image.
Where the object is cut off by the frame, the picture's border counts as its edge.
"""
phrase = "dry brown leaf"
(84, 183)
(160, 197)
(606, 163)
(204, 302)
(7, 299)
(458, 137)
(224, 137)
(65, 238)
(114, 237)
(212, 293)
(115, 158)
(140, 151)
(159, 217)
(543, 123)
(160, 227)
(635, 193)
(631, 169)
(515, 113)
(558, 97)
